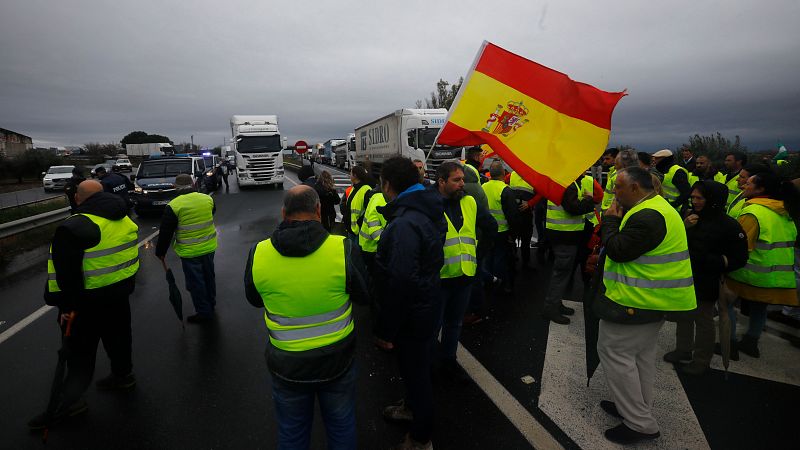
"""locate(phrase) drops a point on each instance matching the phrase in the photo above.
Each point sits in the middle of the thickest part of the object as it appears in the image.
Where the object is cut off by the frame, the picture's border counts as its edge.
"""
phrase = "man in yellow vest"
(647, 272)
(464, 220)
(372, 226)
(523, 228)
(503, 207)
(353, 205)
(189, 218)
(609, 162)
(675, 184)
(91, 273)
(565, 225)
(309, 318)
(734, 163)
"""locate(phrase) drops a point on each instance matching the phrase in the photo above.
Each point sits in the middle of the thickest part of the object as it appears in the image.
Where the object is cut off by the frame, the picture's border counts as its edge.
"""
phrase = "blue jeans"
(454, 299)
(294, 408)
(201, 282)
(758, 318)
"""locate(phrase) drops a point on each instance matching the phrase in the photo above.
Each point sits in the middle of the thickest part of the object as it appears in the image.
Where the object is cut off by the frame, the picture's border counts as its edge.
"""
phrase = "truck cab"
(258, 149)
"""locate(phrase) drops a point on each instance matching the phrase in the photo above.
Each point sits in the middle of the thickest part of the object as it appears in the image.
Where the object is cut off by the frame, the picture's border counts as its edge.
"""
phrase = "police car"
(154, 182)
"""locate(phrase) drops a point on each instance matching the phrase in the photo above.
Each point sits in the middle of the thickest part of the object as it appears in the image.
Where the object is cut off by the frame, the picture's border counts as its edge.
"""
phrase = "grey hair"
(496, 170)
(628, 158)
(640, 176)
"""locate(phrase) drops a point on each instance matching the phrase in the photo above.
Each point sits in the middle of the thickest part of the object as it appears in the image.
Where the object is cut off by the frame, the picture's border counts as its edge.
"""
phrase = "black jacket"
(713, 236)
(71, 239)
(70, 189)
(297, 239)
(574, 205)
(680, 180)
(169, 223)
(328, 201)
(407, 264)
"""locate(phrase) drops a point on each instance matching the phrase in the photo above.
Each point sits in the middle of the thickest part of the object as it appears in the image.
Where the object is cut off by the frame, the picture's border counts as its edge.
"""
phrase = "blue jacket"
(407, 266)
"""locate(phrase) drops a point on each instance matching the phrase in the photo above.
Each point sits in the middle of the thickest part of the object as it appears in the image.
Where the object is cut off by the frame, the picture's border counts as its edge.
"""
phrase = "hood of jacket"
(664, 165)
(771, 203)
(427, 201)
(298, 238)
(716, 195)
(104, 204)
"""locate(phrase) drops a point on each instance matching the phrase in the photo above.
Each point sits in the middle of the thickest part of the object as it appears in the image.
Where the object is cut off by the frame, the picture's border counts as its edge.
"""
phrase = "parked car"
(56, 177)
(107, 166)
(124, 165)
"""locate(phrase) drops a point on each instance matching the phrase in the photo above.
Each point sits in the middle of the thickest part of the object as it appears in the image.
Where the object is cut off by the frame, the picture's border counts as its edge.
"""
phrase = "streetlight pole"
(192, 150)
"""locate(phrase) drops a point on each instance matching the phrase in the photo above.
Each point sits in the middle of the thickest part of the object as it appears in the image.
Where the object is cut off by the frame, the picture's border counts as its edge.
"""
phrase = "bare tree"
(443, 97)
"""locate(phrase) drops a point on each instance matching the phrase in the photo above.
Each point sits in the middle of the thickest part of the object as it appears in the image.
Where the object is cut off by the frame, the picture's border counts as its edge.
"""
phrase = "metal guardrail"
(28, 223)
(33, 202)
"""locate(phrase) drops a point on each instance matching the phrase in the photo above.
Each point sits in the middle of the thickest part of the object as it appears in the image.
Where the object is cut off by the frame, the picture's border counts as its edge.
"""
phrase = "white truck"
(405, 132)
(257, 147)
(162, 148)
(345, 152)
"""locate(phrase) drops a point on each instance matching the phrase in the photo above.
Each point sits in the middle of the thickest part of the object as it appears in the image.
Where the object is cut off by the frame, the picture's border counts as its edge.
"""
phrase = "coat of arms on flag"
(544, 125)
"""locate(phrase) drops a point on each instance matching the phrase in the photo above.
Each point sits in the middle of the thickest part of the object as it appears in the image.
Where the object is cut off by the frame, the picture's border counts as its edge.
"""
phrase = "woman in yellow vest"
(768, 277)
(353, 204)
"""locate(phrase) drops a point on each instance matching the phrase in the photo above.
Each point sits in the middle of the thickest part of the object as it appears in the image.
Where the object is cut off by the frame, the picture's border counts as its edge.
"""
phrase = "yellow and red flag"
(544, 125)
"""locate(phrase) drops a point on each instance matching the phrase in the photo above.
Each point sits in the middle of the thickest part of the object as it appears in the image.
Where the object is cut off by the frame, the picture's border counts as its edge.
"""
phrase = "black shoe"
(694, 368)
(749, 346)
(623, 435)
(734, 353)
(566, 310)
(114, 382)
(611, 408)
(677, 356)
(198, 318)
(556, 317)
(41, 421)
(451, 371)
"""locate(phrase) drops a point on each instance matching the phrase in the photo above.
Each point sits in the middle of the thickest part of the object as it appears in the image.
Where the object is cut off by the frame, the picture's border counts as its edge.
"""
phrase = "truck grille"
(262, 170)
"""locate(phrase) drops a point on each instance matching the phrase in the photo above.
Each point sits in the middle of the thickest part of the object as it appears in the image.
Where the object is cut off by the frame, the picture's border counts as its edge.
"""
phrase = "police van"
(154, 182)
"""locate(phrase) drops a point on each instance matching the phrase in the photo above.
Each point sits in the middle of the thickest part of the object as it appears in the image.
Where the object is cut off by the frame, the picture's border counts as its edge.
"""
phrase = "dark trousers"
(414, 359)
(500, 258)
(107, 320)
(201, 282)
(540, 214)
(523, 230)
(455, 297)
(563, 268)
(697, 333)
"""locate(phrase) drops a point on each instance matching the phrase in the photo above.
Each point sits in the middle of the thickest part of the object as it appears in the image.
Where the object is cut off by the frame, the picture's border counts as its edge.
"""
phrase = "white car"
(124, 165)
(56, 177)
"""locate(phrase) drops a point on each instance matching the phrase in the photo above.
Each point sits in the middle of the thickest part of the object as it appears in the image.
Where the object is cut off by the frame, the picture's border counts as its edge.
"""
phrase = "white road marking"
(24, 323)
(575, 408)
(527, 425)
(19, 326)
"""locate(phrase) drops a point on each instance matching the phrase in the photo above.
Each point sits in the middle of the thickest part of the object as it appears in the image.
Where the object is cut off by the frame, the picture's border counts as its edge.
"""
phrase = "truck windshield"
(164, 169)
(426, 136)
(259, 144)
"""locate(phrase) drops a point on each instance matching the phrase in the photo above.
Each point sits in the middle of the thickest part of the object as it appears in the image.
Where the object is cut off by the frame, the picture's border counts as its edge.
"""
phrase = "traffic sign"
(301, 147)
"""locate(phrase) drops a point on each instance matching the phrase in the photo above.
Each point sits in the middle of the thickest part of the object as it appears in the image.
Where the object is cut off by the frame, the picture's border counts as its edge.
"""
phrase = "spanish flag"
(544, 125)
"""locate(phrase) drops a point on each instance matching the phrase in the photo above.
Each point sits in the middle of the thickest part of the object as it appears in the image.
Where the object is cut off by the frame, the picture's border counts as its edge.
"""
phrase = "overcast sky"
(73, 72)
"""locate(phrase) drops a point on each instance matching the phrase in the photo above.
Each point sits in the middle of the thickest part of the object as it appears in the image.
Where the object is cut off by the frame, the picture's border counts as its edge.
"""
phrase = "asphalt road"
(208, 386)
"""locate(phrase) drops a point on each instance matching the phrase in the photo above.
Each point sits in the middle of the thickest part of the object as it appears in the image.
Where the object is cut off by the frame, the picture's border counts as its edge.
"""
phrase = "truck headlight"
(137, 189)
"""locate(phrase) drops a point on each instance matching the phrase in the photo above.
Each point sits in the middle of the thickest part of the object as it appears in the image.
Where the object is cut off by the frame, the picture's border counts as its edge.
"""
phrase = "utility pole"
(192, 151)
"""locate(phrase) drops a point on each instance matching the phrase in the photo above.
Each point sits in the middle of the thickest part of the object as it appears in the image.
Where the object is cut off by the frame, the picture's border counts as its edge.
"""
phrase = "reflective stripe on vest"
(733, 188)
(195, 235)
(313, 314)
(494, 191)
(736, 206)
(661, 279)
(587, 187)
(608, 191)
(373, 224)
(521, 186)
(771, 263)
(559, 220)
(357, 207)
(460, 254)
(671, 193)
(114, 259)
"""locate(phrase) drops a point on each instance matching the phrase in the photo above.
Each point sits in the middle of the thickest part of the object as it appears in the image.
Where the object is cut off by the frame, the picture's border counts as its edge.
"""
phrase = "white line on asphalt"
(17, 327)
(24, 323)
(291, 181)
(530, 428)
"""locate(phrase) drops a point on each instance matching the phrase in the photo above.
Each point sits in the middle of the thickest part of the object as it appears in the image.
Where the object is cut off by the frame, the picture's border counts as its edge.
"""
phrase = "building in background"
(13, 144)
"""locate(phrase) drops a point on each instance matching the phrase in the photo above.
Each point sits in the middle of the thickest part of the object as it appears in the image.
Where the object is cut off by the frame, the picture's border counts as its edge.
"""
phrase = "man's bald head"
(86, 189)
(301, 203)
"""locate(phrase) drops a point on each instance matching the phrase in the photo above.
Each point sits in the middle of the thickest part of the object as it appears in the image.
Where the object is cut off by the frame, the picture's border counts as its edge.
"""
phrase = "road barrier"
(29, 223)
